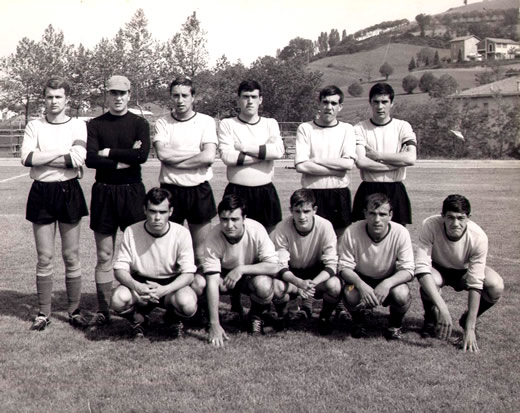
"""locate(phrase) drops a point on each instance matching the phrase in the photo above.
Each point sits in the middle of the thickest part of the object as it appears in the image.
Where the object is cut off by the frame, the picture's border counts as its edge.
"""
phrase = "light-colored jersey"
(42, 136)
(378, 260)
(254, 247)
(314, 141)
(469, 252)
(390, 138)
(306, 251)
(188, 138)
(150, 256)
(265, 133)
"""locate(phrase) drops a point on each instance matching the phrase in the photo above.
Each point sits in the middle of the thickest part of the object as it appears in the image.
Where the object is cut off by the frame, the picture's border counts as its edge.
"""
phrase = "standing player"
(240, 258)
(155, 266)
(306, 247)
(118, 143)
(325, 151)
(54, 149)
(185, 143)
(385, 147)
(376, 262)
(249, 144)
(452, 251)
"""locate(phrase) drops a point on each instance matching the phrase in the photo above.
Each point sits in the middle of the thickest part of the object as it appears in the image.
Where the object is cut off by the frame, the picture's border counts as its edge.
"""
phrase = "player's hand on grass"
(232, 278)
(368, 296)
(444, 324)
(217, 335)
(381, 291)
(469, 342)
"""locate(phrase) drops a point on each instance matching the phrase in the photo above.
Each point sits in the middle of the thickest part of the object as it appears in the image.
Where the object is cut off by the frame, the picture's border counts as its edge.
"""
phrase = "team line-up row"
(251, 250)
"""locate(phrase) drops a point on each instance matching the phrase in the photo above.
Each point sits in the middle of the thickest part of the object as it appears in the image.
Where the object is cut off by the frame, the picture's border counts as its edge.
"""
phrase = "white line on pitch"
(13, 177)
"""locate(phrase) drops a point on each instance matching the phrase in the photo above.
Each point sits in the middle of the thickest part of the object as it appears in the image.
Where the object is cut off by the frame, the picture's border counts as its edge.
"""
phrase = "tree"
(427, 81)
(411, 65)
(436, 60)
(425, 56)
(289, 89)
(423, 20)
(355, 89)
(323, 42)
(33, 63)
(460, 58)
(410, 82)
(445, 86)
(140, 56)
(386, 70)
(189, 47)
(367, 69)
(81, 77)
(297, 48)
(333, 38)
(344, 35)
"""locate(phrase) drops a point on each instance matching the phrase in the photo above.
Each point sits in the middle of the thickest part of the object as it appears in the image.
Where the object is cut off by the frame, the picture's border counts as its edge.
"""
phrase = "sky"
(240, 29)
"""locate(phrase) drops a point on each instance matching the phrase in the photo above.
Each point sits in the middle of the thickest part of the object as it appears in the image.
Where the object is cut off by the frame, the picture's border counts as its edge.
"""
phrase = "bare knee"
(400, 295)
(184, 301)
(199, 284)
(493, 286)
(279, 288)
(71, 258)
(262, 286)
(122, 299)
(333, 287)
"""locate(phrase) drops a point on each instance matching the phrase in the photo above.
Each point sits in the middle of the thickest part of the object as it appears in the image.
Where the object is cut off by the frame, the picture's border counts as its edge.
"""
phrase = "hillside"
(342, 70)
(484, 5)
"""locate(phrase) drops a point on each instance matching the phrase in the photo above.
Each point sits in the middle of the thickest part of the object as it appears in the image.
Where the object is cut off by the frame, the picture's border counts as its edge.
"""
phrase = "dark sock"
(73, 287)
(327, 309)
(44, 292)
(258, 309)
(104, 292)
(396, 319)
(484, 306)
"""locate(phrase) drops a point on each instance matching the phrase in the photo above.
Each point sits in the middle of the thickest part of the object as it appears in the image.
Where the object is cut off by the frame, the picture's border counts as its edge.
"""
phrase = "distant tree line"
(290, 89)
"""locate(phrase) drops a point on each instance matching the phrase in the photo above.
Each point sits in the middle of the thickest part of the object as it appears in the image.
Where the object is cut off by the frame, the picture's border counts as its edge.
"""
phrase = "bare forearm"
(261, 268)
(312, 168)
(370, 165)
(321, 277)
(339, 164)
(213, 297)
(474, 297)
(350, 277)
(47, 158)
(179, 282)
(428, 285)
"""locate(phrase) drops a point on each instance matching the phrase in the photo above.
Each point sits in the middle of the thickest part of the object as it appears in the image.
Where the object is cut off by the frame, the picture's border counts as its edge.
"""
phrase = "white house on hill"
(495, 49)
(466, 46)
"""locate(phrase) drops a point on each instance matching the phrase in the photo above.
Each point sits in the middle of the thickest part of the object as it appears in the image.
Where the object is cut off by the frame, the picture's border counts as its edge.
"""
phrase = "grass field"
(65, 370)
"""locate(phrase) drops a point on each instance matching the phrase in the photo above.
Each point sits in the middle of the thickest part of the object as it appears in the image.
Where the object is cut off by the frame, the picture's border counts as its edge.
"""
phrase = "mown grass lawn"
(64, 370)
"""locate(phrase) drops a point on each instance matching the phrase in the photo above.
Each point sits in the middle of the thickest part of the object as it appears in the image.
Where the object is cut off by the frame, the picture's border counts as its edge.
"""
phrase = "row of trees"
(151, 65)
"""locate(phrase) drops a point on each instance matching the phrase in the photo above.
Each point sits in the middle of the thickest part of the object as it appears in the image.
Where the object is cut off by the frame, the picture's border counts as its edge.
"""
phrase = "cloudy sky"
(240, 29)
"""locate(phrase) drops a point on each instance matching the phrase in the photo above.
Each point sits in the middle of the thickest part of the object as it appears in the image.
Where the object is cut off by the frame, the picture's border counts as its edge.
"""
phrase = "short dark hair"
(249, 86)
(232, 202)
(456, 203)
(302, 196)
(57, 83)
(182, 81)
(331, 91)
(376, 200)
(157, 195)
(381, 89)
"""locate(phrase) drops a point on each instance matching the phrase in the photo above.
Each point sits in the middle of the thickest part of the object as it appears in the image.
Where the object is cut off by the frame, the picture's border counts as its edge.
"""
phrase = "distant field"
(63, 370)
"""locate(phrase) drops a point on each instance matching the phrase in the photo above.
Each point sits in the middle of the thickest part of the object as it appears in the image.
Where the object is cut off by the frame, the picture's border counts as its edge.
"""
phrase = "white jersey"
(314, 141)
(254, 247)
(187, 137)
(378, 260)
(305, 251)
(42, 136)
(265, 133)
(469, 252)
(392, 137)
(150, 256)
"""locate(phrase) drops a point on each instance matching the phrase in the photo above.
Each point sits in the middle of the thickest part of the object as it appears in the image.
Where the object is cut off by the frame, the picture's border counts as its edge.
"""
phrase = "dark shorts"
(307, 273)
(373, 282)
(396, 191)
(242, 285)
(456, 279)
(192, 203)
(262, 202)
(334, 205)
(62, 201)
(116, 206)
(162, 281)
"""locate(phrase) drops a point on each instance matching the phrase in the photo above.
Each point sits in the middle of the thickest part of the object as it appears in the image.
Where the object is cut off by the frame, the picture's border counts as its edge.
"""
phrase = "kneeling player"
(376, 262)
(452, 251)
(239, 258)
(155, 266)
(306, 247)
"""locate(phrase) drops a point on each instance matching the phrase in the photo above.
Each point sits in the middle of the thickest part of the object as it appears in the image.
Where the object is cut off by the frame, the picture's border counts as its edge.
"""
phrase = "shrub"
(410, 82)
(355, 89)
(427, 81)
